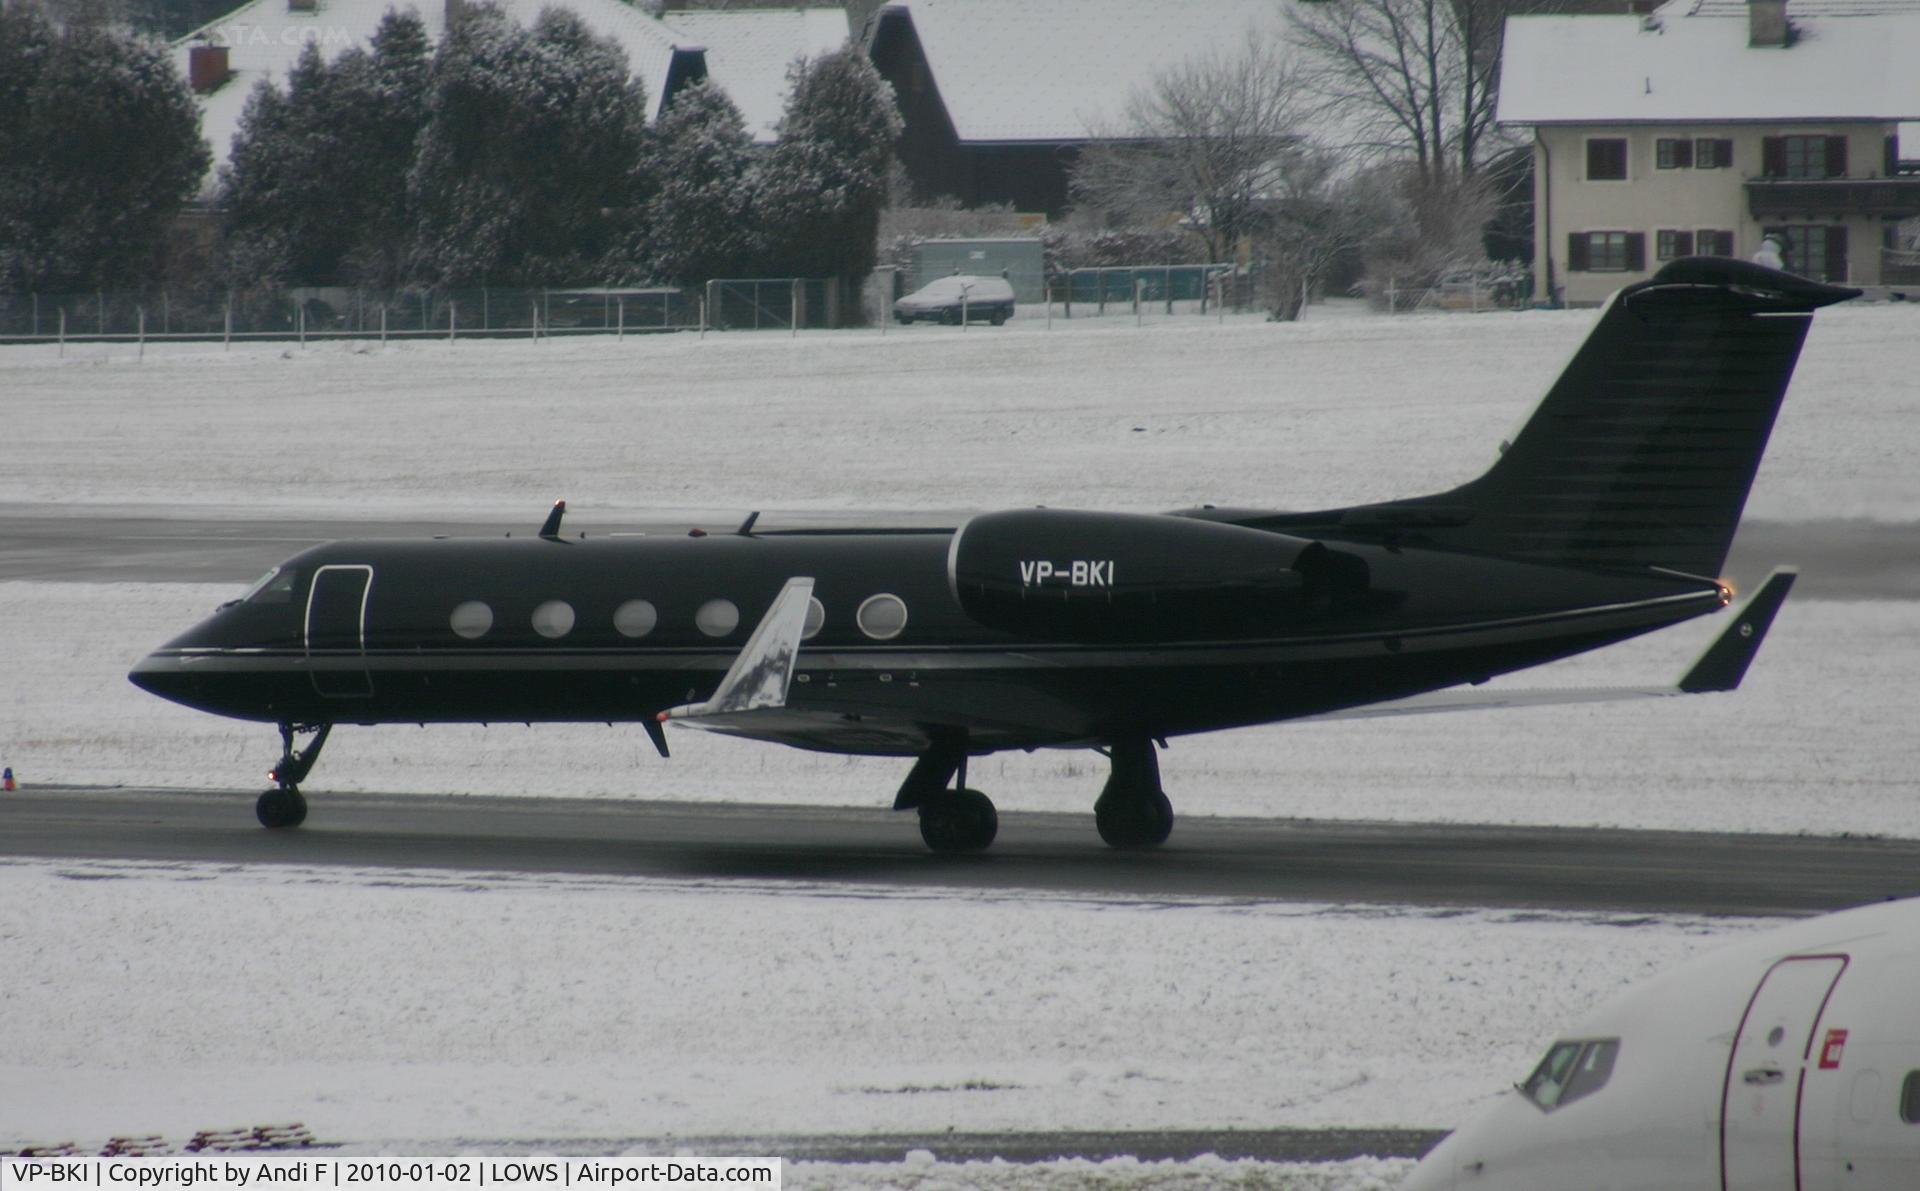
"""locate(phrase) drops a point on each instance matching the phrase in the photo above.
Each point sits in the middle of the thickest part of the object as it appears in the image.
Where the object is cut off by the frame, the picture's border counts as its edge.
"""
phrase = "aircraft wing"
(1719, 668)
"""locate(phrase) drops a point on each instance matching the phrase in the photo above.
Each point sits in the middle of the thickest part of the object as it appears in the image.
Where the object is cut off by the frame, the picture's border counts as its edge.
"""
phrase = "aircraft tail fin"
(1643, 451)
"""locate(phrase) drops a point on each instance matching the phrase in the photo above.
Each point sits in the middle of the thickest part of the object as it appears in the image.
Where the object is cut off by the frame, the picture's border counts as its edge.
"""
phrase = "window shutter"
(1836, 157)
(1577, 252)
(1683, 154)
(1836, 254)
(1721, 243)
(1893, 157)
(1773, 157)
(1723, 155)
(1683, 243)
(1636, 251)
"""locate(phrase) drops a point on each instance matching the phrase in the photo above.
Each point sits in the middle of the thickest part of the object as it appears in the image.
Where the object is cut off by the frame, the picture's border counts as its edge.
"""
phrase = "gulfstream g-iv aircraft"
(1608, 515)
(1790, 1060)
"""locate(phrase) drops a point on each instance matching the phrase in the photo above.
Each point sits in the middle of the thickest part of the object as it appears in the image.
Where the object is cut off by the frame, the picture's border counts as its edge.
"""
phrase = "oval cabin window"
(882, 616)
(472, 619)
(553, 619)
(717, 618)
(635, 618)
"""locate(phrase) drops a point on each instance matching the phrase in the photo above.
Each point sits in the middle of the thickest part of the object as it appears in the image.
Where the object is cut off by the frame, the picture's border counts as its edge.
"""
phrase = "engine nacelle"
(1080, 576)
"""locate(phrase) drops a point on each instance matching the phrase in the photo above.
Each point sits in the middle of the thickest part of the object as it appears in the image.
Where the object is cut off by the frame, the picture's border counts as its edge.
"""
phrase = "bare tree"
(1204, 144)
(1409, 76)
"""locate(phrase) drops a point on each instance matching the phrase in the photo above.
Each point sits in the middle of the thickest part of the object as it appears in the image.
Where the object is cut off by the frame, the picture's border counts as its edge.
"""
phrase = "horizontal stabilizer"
(1720, 668)
(759, 678)
(1725, 663)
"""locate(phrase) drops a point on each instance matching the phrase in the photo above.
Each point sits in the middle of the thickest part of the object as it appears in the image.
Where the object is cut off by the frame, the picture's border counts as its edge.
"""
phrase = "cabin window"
(816, 617)
(471, 619)
(882, 617)
(635, 618)
(1571, 1071)
(717, 618)
(274, 587)
(1607, 159)
(1910, 1099)
(553, 619)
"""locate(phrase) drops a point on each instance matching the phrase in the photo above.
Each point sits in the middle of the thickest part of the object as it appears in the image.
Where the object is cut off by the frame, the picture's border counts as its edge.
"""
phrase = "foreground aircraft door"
(336, 632)
(1760, 1118)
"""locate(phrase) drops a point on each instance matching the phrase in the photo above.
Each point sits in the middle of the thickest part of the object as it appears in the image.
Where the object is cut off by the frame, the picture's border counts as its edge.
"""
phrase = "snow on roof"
(1684, 68)
(265, 39)
(748, 51)
(1797, 9)
(1016, 70)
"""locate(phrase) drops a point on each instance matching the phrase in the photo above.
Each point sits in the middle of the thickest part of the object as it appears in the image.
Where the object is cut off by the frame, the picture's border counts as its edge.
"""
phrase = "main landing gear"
(284, 805)
(1133, 811)
(951, 820)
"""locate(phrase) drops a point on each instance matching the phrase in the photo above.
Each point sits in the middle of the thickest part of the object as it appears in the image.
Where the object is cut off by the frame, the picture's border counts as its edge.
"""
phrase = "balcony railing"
(1770, 198)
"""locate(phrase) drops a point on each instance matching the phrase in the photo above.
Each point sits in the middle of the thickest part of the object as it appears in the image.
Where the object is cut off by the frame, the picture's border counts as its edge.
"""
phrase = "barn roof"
(748, 51)
(1016, 70)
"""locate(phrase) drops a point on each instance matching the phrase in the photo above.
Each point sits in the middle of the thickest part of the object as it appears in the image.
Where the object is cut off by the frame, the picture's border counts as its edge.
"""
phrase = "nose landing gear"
(1133, 811)
(284, 805)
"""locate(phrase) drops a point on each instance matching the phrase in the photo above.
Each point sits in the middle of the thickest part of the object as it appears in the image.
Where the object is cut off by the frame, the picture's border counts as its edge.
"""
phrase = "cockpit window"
(1571, 1071)
(274, 587)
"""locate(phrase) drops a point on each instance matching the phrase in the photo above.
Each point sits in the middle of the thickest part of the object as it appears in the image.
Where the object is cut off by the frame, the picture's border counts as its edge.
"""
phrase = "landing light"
(1726, 592)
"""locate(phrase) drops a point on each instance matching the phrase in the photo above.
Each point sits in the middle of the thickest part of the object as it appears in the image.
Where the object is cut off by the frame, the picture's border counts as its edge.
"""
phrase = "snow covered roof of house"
(1691, 62)
(264, 39)
(748, 51)
(1017, 70)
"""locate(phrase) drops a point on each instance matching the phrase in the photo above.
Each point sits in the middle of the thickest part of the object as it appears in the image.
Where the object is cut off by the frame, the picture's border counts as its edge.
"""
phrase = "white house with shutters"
(1704, 125)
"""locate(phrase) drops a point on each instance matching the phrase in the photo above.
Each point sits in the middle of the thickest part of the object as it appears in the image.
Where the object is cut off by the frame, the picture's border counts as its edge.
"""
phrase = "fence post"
(226, 331)
(383, 324)
(966, 293)
(1139, 296)
(706, 307)
(300, 322)
(453, 319)
(1166, 279)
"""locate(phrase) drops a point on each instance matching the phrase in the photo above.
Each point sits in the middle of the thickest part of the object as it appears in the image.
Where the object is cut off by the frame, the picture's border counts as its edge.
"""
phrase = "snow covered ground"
(429, 1011)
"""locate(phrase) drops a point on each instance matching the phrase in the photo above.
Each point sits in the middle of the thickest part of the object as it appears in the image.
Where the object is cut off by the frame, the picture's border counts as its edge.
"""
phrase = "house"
(999, 97)
(747, 52)
(1703, 126)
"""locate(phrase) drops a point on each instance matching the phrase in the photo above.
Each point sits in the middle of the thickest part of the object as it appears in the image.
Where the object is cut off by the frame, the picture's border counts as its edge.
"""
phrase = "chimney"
(207, 67)
(1767, 23)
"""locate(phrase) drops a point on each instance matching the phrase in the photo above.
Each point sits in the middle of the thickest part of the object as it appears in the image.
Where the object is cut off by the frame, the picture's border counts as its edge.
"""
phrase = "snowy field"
(1339, 409)
(421, 1012)
(428, 1012)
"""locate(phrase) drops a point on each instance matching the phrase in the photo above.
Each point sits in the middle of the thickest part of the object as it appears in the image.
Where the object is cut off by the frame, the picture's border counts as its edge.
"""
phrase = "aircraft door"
(1760, 1108)
(336, 632)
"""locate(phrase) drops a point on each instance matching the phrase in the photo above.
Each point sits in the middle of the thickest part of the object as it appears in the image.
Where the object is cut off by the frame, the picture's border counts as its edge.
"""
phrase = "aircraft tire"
(278, 809)
(1135, 822)
(961, 821)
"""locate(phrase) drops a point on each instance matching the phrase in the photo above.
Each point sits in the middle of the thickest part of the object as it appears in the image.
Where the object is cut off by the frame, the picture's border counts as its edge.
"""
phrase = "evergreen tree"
(315, 189)
(821, 190)
(526, 171)
(99, 148)
(699, 219)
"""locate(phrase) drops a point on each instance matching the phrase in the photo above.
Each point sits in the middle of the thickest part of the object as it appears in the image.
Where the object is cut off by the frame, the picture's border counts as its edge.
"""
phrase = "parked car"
(988, 299)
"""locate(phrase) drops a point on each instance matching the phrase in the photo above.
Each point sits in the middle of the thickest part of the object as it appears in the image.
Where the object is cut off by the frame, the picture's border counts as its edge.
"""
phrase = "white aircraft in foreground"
(1788, 1062)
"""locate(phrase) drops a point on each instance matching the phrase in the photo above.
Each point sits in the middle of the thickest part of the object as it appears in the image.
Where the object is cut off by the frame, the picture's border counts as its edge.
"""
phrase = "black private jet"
(1609, 515)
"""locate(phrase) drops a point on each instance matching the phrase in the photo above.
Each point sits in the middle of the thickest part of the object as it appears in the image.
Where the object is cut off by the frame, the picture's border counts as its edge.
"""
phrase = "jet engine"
(1094, 577)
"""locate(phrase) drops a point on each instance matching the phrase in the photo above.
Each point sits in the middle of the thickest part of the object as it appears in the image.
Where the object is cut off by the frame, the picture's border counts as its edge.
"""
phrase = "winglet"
(760, 676)
(551, 529)
(1725, 662)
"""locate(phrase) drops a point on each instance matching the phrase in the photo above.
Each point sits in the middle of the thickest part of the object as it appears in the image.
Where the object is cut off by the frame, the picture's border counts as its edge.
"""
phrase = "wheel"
(281, 808)
(1135, 822)
(998, 318)
(960, 821)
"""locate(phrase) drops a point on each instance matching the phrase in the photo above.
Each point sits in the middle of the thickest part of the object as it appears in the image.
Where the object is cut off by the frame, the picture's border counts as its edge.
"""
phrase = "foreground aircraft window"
(1910, 1099)
(635, 618)
(553, 619)
(882, 617)
(717, 618)
(274, 587)
(472, 619)
(1571, 1071)
(816, 616)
